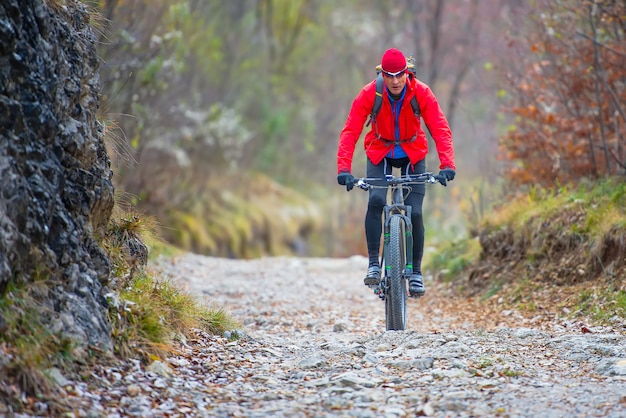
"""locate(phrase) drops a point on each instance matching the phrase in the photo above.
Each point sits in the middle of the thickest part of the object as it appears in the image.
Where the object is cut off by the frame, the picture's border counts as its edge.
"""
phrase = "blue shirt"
(396, 151)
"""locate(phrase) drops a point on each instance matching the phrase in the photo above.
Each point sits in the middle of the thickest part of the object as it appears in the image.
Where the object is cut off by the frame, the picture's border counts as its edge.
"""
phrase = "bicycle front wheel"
(395, 298)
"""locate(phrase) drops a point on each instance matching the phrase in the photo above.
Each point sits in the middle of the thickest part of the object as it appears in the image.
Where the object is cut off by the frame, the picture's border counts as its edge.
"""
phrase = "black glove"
(445, 175)
(346, 179)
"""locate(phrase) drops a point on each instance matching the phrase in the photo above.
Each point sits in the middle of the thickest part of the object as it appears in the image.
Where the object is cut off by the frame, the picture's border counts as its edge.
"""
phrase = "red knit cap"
(393, 61)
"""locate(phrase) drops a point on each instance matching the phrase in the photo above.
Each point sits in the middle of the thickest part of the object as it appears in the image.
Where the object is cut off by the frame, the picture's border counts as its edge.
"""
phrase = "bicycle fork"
(396, 210)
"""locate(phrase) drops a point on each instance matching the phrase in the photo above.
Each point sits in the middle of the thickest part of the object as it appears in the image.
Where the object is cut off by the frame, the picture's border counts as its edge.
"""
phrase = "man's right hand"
(346, 179)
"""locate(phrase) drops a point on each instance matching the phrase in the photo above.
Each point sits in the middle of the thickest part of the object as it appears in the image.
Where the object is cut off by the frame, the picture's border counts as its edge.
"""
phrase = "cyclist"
(395, 139)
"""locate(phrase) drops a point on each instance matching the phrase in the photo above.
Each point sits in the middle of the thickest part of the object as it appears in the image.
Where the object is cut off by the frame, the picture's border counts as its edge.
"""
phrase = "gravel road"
(312, 344)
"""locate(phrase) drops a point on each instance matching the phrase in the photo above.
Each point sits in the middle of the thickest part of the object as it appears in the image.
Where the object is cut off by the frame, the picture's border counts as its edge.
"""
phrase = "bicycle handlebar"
(366, 183)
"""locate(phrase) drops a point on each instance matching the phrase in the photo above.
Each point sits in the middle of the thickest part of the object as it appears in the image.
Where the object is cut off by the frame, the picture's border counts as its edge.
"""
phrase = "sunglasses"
(398, 74)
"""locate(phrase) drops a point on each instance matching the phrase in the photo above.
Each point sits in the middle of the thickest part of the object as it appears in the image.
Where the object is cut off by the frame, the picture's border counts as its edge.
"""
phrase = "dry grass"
(242, 215)
(548, 252)
(149, 312)
(27, 347)
(117, 144)
(56, 4)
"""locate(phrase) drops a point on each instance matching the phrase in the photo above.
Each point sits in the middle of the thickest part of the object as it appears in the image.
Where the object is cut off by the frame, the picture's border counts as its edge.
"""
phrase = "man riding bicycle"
(396, 139)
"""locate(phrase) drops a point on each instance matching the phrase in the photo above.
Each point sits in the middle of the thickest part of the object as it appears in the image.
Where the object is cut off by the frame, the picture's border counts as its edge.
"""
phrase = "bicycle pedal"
(379, 292)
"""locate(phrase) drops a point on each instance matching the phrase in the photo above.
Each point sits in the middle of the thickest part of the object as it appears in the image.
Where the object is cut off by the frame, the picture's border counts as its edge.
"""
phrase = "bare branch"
(598, 43)
(617, 160)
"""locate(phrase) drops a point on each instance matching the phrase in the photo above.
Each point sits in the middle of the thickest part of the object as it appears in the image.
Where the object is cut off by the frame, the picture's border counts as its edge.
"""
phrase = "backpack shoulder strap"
(378, 99)
(413, 75)
(416, 107)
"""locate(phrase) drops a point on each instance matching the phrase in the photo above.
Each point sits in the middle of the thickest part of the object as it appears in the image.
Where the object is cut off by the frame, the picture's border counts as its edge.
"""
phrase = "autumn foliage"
(568, 94)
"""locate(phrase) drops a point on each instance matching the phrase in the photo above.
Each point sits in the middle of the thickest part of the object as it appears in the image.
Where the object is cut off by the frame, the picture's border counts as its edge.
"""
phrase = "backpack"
(378, 100)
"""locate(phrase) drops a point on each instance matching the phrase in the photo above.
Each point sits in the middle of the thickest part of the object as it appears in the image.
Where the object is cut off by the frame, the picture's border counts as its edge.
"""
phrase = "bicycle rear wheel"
(395, 298)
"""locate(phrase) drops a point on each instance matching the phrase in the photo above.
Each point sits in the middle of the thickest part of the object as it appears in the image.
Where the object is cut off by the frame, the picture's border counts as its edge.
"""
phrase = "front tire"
(395, 299)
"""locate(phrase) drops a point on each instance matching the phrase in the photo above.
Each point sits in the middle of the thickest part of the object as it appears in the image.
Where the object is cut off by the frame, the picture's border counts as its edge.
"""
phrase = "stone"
(612, 367)
(159, 368)
(57, 377)
(53, 163)
(340, 326)
(312, 362)
(353, 380)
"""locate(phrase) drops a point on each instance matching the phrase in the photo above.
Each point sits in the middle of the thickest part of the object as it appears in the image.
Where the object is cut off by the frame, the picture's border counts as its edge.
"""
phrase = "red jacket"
(375, 148)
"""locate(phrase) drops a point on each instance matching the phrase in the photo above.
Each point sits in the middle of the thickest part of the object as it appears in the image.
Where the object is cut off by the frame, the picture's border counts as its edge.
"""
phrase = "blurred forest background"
(222, 117)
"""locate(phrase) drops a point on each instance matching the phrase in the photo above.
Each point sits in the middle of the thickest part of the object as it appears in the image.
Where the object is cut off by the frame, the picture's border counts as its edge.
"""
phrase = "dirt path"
(313, 345)
(316, 346)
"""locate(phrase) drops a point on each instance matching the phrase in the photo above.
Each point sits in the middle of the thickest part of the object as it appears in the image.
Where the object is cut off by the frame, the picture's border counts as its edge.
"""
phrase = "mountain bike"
(397, 254)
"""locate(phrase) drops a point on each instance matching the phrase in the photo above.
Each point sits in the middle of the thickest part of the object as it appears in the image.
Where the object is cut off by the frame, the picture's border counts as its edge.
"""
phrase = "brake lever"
(362, 185)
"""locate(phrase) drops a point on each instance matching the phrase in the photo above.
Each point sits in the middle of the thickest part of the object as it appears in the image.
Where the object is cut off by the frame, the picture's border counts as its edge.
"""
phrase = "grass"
(147, 314)
(452, 258)
(484, 362)
(523, 290)
(28, 347)
(545, 244)
(603, 203)
(151, 313)
(602, 305)
(494, 289)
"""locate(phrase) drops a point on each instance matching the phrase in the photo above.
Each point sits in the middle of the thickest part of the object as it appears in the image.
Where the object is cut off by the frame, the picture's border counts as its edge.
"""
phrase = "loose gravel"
(312, 343)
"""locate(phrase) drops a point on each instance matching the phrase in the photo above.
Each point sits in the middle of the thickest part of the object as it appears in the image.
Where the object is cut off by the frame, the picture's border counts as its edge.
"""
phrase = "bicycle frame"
(397, 254)
(397, 207)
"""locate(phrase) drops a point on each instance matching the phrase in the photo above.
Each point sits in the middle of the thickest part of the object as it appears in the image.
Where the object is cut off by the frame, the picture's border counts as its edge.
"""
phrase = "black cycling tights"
(378, 198)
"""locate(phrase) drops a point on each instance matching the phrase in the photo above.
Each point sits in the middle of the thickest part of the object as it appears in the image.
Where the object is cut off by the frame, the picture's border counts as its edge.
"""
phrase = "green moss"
(452, 258)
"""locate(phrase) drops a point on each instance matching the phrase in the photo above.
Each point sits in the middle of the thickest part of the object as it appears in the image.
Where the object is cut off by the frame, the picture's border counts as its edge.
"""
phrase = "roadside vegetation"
(148, 315)
(148, 312)
(560, 252)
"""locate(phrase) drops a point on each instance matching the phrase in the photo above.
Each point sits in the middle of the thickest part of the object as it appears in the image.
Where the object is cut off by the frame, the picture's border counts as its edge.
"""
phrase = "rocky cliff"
(55, 177)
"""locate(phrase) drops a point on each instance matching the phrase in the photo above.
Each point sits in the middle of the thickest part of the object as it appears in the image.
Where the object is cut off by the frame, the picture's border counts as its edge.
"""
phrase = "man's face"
(396, 83)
